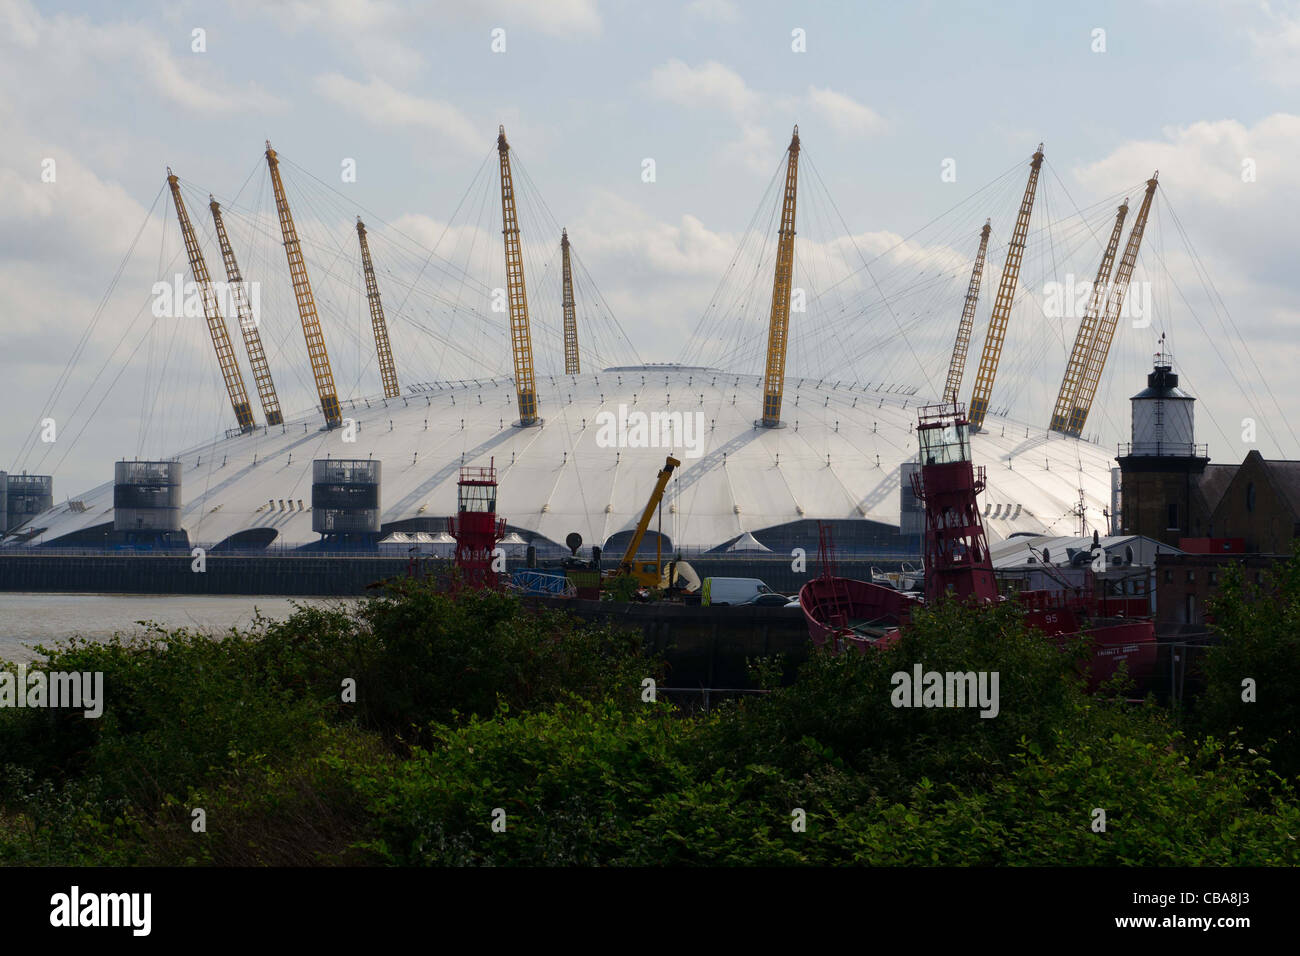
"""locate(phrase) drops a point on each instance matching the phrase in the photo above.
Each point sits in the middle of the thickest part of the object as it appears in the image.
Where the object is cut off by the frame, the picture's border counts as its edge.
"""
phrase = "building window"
(1173, 516)
(1191, 609)
(1169, 577)
(1191, 577)
(1250, 496)
(1214, 577)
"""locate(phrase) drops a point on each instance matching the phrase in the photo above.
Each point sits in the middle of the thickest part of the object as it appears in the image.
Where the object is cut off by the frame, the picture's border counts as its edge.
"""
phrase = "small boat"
(844, 613)
(907, 578)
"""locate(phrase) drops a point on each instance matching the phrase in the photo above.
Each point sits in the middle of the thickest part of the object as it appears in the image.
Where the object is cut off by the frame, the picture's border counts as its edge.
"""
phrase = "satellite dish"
(574, 541)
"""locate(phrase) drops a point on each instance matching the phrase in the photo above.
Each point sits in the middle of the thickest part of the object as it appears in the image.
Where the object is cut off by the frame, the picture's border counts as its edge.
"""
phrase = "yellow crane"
(779, 322)
(311, 330)
(521, 338)
(1087, 328)
(1106, 328)
(571, 363)
(216, 324)
(387, 368)
(979, 400)
(647, 574)
(957, 364)
(247, 323)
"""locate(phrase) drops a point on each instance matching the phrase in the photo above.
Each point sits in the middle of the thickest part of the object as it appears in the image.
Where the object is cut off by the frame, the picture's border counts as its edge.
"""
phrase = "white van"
(720, 592)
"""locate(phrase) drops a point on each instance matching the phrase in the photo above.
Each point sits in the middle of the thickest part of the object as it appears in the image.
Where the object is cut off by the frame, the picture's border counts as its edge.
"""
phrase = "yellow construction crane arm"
(571, 364)
(979, 401)
(247, 323)
(779, 321)
(311, 330)
(216, 324)
(957, 364)
(626, 565)
(521, 338)
(1106, 329)
(387, 368)
(1087, 329)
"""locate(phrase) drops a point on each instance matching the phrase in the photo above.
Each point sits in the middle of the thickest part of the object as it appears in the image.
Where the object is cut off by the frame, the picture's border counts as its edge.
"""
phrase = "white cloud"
(384, 105)
(718, 11)
(557, 18)
(711, 86)
(844, 114)
(1277, 46)
(74, 49)
(1205, 159)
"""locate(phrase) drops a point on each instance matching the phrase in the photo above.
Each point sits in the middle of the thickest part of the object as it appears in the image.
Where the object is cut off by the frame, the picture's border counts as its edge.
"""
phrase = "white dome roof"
(838, 456)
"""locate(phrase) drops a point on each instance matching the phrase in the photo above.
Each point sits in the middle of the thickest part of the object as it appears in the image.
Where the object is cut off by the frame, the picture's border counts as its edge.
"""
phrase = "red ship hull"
(1116, 629)
(844, 614)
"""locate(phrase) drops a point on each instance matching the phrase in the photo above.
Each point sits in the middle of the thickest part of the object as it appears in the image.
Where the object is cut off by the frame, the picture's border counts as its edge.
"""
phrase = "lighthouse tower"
(476, 527)
(1161, 468)
(957, 558)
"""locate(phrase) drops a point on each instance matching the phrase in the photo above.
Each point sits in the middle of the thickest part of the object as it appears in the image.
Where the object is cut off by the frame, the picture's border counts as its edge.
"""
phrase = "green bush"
(1260, 628)
(471, 703)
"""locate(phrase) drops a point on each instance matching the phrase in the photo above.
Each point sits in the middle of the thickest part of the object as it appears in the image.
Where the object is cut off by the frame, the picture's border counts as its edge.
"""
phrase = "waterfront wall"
(341, 575)
(705, 646)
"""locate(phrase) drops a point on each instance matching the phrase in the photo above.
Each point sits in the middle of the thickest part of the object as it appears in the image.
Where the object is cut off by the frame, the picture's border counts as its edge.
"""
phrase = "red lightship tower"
(476, 527)
(956, 552)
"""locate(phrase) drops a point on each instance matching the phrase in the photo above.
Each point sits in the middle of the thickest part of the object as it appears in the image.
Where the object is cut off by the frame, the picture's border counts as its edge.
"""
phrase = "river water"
(28, 619)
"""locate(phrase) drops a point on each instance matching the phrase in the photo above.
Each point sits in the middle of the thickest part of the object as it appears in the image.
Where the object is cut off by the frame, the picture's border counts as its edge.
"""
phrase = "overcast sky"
(412, 94)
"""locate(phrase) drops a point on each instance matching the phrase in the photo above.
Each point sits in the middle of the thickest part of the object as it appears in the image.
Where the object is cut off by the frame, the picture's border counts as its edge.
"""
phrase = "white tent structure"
(747, 542)
(402, 543)
(588, 467)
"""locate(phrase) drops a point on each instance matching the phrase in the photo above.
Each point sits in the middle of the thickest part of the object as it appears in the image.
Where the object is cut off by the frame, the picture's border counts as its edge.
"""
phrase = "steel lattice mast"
(779, 323)
(571, 364)
(311, 330)
(1106, 329)
(957, 365)
(216, 324)
(521, 339)
(387, 368)
(1087, 328)
(247, 323)
(979, 402)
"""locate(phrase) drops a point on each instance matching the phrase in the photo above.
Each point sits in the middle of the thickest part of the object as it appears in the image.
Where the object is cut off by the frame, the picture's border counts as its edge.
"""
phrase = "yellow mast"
(247, 324)
(216, 324)
(387, 368)
(311, 330)
(521, 339)
(979, 400)
(957, 364)
(1106, 329)
(1087, 328)
(571, 363)
(779, 322)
